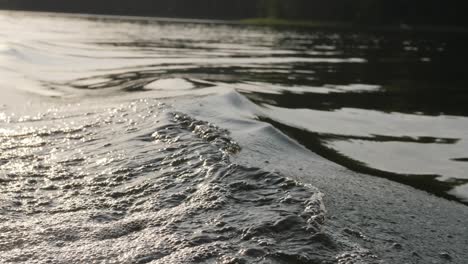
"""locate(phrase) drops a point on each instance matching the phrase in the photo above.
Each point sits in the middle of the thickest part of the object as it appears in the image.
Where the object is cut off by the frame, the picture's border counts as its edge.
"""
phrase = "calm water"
(391, 105)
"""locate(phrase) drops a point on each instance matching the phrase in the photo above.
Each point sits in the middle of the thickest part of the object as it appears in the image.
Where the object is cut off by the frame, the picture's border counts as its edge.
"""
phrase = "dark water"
(105, 166)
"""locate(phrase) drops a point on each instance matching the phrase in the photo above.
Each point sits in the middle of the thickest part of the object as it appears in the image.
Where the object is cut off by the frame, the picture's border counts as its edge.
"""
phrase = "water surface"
(387, 104)
(106, 154)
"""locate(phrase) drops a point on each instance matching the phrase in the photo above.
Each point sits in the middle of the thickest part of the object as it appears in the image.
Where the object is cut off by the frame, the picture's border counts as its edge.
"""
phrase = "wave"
(140, 183)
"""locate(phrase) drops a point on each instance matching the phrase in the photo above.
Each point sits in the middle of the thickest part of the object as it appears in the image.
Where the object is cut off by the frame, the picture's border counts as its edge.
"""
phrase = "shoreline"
(266, 22)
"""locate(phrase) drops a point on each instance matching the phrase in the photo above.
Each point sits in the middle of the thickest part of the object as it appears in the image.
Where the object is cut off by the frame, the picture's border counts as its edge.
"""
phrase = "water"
(111, 159)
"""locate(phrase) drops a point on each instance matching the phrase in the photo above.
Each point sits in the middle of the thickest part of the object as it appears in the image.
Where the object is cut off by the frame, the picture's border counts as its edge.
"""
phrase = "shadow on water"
(316, 143)
(424, 102)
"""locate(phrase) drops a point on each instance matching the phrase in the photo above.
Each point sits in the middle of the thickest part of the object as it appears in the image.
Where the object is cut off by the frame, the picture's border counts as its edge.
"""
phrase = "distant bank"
(369, 13)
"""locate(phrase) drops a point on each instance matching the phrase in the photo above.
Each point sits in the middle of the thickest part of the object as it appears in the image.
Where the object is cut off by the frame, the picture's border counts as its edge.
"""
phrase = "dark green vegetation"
(368, 12)
(271, 21)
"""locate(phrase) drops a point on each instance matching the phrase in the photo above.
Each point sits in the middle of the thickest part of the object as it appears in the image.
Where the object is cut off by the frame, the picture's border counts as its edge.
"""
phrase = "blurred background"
(367, 12)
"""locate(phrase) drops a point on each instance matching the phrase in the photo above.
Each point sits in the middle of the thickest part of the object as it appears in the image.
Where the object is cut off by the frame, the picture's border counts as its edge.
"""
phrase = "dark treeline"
(378, 12)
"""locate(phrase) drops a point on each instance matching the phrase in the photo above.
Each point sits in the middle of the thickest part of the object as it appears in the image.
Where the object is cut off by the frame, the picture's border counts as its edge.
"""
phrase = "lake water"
(105, 146)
